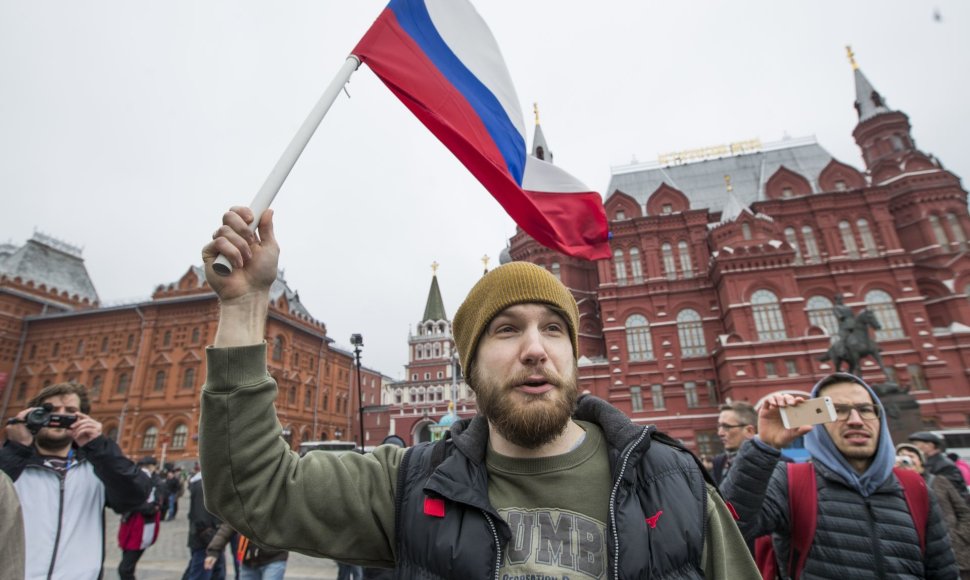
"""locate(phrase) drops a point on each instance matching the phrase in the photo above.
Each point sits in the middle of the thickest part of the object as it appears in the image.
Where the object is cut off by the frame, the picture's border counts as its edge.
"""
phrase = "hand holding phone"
(809, 412)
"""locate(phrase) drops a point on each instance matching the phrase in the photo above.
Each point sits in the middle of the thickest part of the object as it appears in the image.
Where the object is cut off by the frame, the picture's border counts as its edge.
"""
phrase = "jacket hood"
(819, 444)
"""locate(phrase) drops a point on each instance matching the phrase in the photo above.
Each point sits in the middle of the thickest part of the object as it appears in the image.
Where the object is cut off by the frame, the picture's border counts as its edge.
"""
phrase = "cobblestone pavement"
(167, 558)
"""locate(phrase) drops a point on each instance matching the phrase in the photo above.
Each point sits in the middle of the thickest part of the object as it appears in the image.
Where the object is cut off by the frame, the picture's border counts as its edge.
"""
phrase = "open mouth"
(535, 386)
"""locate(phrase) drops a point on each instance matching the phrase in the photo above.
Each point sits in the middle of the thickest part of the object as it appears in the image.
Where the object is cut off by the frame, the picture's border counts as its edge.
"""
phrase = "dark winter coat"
(856, 537)
(469, 541)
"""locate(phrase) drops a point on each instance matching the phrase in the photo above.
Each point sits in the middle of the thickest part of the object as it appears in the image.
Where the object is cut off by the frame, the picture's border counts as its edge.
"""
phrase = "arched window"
(767, 316)
(56, 349)
(196, 334)
(180, 436)
(938, 231)
(113, 434)
(620, 265)
(150, 438)
(131, 342)
(670, 266)
(104, 344)
(398, 397)
(79, 349)
(792, 239)
(160, 381)
(95, 391)
(167, 339)
(278, 348)
(555, 270)
(848, 239)
(865, 234)
(956, 230)
(881, 304)
(636, 269)
(639, 346)
(685, 264)
(746, 231)
(308, 398)
(123, 381)
(811, 246)
(291, 395)
(188, 378)
(690, 331)
(820, 314)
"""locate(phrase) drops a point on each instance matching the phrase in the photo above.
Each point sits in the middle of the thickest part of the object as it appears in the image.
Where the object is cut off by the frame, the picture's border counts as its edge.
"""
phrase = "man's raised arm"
(323, 505)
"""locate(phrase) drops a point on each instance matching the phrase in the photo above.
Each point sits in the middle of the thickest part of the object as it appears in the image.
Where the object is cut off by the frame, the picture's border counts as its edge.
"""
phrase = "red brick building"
(144, 363)
(727, 260)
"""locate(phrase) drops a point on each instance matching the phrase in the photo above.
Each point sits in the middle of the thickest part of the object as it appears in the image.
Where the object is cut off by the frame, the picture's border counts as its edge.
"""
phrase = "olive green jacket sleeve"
(726, 556)
(338, 506)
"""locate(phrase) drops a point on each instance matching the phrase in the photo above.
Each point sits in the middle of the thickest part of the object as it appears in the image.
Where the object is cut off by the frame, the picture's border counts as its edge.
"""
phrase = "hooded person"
(541, 483)
(863, 525)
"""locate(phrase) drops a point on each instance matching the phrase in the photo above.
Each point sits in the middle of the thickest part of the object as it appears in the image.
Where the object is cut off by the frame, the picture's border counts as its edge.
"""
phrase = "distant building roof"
(55, 264)
(703, 181)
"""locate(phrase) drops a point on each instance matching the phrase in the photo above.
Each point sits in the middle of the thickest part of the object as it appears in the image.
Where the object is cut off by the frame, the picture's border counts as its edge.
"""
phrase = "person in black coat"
(202, 528)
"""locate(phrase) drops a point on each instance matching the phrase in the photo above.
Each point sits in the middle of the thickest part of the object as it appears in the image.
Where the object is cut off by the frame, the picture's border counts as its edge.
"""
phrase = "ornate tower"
(882, 133)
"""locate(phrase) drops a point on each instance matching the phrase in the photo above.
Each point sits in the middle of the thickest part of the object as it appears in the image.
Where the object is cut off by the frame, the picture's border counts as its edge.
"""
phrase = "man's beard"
(534, 421)
(47, 440)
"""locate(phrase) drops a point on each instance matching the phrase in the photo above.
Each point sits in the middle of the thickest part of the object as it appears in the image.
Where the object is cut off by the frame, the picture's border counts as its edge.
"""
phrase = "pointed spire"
(485, 260)
(733, 208)
(540, 150)
(435, 307)
(868, 101)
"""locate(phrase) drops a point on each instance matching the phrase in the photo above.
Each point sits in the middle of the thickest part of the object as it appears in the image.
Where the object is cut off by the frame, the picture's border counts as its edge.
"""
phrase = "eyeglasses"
(728, 426)
(866, 411)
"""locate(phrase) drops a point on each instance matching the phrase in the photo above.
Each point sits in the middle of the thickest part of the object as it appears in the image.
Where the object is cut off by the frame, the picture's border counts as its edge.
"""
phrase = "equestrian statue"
(853, 342)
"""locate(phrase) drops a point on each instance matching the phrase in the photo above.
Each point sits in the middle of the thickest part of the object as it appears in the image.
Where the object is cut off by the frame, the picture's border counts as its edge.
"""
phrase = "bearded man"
(64, 477)
(542, 483)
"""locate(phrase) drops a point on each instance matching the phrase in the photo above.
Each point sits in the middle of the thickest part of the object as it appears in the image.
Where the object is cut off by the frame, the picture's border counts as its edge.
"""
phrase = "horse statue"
(856, 344)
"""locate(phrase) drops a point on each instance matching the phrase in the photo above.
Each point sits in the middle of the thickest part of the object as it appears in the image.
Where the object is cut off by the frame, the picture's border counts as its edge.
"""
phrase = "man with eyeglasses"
(863, 525)
(735, 425)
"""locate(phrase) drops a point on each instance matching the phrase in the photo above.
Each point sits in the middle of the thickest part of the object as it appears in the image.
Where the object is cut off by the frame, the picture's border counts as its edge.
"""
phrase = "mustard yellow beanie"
(507, 285)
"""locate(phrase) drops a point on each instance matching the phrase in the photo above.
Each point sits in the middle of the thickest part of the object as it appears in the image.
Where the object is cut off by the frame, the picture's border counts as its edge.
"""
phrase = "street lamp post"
(358, 341)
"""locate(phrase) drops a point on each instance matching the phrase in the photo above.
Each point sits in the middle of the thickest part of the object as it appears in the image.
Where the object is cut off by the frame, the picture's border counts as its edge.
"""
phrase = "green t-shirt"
(557, 508)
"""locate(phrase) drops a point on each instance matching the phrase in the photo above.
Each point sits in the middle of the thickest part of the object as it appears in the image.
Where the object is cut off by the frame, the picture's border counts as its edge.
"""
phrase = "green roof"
(435, 308)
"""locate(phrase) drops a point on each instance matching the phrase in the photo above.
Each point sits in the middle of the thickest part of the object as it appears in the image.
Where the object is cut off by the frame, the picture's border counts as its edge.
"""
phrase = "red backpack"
(803, 510)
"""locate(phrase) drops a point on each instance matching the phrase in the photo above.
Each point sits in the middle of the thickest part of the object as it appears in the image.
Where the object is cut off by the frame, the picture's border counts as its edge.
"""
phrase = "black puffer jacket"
(471, 539)
(855, 537)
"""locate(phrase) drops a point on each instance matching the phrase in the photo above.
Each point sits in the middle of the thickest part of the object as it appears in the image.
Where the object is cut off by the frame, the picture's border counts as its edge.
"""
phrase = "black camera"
(44, 417)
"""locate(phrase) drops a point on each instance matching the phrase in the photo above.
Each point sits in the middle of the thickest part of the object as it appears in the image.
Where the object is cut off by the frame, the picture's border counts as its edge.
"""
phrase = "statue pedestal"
(902, 411)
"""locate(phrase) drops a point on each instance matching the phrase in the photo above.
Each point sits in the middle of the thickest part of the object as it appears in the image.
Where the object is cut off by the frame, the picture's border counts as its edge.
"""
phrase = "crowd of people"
(543, 482)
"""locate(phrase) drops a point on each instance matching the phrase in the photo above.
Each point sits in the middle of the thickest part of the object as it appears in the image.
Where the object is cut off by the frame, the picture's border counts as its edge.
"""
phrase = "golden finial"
(848, 51)
(485, 259)
(727, 182)
(434, 268)
(535, 109)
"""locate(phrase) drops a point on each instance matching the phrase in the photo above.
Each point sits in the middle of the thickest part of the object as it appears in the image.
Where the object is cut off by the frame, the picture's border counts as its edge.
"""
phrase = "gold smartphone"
(810, 412)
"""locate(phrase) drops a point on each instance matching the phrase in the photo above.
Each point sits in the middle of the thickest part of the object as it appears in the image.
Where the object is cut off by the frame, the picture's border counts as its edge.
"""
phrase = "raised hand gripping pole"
(266, 194)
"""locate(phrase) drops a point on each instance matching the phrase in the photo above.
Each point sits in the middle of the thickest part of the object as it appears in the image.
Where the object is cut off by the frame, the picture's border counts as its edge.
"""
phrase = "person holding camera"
(66, 472)
(543, 482)
(864, 525)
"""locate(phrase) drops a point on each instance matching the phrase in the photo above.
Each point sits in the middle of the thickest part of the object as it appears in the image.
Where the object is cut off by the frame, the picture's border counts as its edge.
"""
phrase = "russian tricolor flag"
(441, 60)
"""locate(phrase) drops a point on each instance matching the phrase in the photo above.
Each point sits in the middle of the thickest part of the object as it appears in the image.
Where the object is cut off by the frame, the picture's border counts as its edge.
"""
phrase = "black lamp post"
(358, 341)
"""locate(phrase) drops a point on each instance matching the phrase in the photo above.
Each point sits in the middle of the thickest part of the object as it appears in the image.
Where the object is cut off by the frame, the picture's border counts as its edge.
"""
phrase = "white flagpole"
(266, 194)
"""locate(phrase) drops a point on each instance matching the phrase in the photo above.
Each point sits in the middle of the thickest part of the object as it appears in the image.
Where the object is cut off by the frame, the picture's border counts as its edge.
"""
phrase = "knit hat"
(912, 448)
(507, 285)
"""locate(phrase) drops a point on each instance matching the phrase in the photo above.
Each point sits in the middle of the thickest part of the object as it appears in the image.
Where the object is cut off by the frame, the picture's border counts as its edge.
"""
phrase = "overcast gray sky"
(129, 127)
